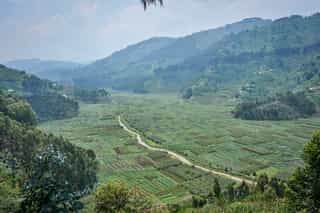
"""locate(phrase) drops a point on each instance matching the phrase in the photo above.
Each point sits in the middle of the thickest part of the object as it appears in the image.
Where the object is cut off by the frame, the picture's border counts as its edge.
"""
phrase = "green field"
(162, 178)
(203, 131)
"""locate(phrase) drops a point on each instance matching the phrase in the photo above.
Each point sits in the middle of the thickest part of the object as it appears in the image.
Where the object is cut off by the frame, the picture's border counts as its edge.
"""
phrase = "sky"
(86, 30)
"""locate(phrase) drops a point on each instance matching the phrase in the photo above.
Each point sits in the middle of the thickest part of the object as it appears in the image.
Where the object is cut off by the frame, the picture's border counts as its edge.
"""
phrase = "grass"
(202, 130)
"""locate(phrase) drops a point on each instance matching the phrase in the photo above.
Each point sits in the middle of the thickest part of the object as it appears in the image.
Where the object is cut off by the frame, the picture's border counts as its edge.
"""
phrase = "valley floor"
(202, 130)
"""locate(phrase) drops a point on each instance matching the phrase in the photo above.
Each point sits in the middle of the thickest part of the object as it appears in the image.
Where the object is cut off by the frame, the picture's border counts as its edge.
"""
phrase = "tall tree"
(304, 185)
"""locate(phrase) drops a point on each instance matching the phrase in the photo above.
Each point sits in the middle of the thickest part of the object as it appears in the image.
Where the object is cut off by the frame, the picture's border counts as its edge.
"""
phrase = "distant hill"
(49, 69)
(43, 95)
(280, 56)
(132, 67)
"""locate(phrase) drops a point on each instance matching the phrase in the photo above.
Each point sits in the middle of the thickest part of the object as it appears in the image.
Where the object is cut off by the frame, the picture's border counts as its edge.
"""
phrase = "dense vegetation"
(92, 95)
(53, 106)
(41, 172)
(283, 107)
(43, 95)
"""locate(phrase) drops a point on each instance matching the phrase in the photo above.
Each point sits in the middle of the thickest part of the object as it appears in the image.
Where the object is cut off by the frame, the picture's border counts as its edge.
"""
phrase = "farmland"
(161, 178)
(203, 131)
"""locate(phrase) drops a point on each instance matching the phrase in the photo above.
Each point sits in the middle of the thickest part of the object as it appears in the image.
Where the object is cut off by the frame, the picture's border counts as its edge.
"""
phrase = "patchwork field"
(203, 131)
(162, 178)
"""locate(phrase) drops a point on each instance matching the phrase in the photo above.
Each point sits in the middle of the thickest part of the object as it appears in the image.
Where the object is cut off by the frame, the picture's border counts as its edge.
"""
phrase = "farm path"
(181, 158)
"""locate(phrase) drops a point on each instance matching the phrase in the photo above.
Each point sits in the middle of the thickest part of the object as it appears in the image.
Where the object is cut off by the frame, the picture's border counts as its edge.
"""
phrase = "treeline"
(44, 96)
(92, 95)
(52, 106)
(39, 172)
(286, 106)
(17, 109)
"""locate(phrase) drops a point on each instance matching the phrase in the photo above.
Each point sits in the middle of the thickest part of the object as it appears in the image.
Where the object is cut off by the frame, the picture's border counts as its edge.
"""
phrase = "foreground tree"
(112, 197)
(146, 3)
(304, 185)
(46, 190)
(116, 197)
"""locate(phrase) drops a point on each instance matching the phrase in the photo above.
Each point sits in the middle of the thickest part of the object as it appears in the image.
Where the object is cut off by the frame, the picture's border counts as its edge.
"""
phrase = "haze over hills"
(281, 53)
(129, 68)
(49, 69)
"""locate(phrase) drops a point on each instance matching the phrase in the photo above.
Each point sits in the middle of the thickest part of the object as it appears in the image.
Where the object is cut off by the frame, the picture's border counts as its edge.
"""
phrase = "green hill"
(43, 95)
(283, 55)
(133, 67)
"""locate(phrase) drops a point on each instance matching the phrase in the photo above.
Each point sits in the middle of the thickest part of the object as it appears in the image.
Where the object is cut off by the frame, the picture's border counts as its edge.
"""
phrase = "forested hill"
(132, 67)
(43, 95)
(251, 58)
(39, 172)
(282, 56)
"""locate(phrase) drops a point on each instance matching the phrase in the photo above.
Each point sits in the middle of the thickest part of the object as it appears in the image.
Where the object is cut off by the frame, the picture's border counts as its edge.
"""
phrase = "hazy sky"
(85, 30)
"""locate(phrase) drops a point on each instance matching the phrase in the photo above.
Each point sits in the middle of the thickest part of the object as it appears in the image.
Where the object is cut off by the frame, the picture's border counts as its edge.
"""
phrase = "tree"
(112, 197)
(22, 112)
(230, 190)
(304, 185)
(242, 191)
(198, 201)
(217, 188)
(262, 182)
(278, 186)
(146, 3)
(46, 191)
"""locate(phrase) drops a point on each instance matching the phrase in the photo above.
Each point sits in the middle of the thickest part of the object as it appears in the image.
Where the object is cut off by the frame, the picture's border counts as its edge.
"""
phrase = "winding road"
(183, 159)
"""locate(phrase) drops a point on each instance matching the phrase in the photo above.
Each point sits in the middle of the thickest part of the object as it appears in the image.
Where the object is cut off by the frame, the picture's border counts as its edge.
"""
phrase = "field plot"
(206, 133)
(120, 157)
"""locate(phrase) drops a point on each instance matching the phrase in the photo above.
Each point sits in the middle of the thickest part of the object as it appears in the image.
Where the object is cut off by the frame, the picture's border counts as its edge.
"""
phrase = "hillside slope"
(43, 95)
(284, 55)
(130, 68)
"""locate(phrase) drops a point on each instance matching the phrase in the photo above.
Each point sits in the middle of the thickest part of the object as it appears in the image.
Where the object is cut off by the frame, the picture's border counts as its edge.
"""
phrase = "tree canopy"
(146, 3)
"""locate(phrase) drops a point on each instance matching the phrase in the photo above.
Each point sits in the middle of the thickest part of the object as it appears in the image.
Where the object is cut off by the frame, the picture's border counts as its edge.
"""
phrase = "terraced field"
(206, 133)
(203, 131)
(159, 176)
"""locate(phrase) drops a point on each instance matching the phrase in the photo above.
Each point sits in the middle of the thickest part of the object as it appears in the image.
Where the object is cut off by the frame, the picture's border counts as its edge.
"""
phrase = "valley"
(225, 119)
(202, 130)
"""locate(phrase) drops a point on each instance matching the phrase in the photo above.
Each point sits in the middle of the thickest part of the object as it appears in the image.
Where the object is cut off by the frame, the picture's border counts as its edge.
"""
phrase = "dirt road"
(181, 158)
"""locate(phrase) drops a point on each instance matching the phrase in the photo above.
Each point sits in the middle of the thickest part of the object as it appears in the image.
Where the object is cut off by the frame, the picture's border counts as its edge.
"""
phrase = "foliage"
(117, 197)
(304, 185)
(283, 107)
(111, 197)
(53, 106)
(46, 189)
(92, 96)
(9, 192)
(138, 202)
(17, 109)
(24, 151)
(262, 182)
(217, 188)
(148, 2)
(43, 95)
